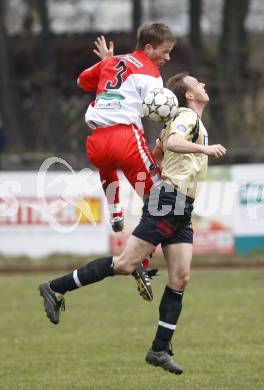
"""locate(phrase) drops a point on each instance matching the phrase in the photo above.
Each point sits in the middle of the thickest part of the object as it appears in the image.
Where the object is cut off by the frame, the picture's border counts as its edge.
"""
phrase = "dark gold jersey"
(185, 171)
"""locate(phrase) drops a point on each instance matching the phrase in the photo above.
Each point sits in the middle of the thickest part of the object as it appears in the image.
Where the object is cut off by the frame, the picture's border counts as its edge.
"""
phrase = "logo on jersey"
(110, 96)
(107, 104)
(108, 101)
(134, 61)
(180, 129)
(206, 140)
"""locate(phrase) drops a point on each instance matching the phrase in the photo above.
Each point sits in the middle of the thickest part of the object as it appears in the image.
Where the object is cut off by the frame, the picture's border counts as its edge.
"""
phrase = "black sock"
(92, 272)
(169, 309)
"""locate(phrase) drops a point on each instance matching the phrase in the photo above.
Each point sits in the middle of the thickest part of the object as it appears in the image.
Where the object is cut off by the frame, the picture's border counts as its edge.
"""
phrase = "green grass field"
(104, 335)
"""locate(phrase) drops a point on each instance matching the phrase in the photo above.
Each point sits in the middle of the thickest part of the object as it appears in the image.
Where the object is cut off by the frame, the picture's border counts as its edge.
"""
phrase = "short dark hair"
(154, 34)
(178, 86)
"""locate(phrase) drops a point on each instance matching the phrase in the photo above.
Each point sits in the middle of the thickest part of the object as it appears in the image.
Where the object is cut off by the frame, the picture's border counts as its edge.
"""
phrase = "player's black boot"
(52, 305)
(164, 360)
(143, 283)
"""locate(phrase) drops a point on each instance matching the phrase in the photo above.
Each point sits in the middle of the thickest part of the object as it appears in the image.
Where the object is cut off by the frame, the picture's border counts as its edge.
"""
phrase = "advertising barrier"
(248, 213)
(43, 213)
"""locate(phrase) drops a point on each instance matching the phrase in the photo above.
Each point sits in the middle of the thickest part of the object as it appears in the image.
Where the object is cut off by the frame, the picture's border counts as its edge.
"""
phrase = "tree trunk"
(227, 106)
(49, 136)
(233, 47)
(136, 15)
(9, 105)
(195, 35)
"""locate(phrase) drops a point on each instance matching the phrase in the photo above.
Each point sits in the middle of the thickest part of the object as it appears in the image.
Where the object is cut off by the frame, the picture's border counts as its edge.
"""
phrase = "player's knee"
(124, 265)
(183, 280)
(180, 281)
(127, 267)
(130, 264)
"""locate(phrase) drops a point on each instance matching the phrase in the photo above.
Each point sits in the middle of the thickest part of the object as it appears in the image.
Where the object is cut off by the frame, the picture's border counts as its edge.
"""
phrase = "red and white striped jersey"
(121, 83)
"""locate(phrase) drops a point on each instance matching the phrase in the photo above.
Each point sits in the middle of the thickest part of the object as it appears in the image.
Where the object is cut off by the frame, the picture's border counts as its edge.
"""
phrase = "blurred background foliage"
(45, 44)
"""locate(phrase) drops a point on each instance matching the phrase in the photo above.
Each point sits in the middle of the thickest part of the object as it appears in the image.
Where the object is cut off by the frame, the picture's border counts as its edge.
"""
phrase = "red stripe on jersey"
(146, 148)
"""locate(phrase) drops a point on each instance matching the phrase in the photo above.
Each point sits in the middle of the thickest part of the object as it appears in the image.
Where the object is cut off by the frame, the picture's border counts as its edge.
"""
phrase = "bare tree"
(136, 15)
(28, 18)
(195, 34)
(49, 128)
(227, 110)
(233, 47)
(9, 105)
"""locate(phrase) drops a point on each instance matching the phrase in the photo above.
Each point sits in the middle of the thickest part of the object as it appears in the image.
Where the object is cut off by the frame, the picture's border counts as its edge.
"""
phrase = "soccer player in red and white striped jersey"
(117, 141)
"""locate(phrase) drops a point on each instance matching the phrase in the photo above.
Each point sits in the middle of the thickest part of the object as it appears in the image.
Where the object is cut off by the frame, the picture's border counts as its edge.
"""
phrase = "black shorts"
(166, 217)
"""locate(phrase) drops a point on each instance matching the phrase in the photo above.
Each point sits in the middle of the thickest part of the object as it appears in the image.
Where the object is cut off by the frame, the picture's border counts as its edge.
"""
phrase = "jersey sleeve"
(89, 78)
(184, 124)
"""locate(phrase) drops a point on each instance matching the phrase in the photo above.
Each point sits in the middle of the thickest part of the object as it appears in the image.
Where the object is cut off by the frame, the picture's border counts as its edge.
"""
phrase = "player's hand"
(215, 150)
(102, 50)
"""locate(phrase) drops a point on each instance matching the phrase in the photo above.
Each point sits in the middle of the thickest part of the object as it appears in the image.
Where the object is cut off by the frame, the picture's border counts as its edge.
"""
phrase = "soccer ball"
(160, 105)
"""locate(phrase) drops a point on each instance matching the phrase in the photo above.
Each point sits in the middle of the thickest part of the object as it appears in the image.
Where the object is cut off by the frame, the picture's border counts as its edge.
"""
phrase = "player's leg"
(178, 259)
(123, 146)
(99, 153)
(110, 184)
(111, 188)
(140, 168)
(141, 275)
(134, 252)
(94, 271)
(131, 153)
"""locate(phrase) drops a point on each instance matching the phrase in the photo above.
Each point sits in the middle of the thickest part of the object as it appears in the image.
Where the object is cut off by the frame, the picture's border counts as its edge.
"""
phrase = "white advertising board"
(248, 222)
(57, 212)
(249, 205)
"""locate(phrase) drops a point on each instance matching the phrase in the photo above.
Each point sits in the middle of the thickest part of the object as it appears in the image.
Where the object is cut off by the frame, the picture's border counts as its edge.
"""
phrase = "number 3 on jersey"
(115, 84)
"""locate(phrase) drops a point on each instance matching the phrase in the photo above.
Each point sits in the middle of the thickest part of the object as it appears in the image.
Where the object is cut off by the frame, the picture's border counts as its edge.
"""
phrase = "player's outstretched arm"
(178, 144)
(102, 50)
(215, 150)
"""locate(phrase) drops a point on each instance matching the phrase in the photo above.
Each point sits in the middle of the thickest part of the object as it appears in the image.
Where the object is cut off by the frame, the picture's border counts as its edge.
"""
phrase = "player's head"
(157, 41)
(187, 89)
